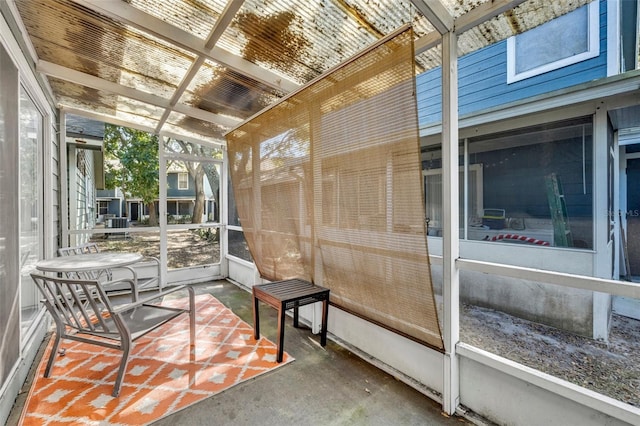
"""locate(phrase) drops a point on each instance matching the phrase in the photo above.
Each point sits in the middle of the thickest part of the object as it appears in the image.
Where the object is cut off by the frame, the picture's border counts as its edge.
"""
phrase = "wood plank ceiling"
(195, 69)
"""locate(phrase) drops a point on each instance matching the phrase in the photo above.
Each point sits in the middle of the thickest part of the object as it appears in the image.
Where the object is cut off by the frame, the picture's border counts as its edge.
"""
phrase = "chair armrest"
(123, 308)
(150, 259)
(131, 282)
(146, 272)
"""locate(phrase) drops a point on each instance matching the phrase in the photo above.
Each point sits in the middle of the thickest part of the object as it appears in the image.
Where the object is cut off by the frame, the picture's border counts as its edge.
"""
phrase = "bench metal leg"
(325, 315)
(256, 318)
(281, 315)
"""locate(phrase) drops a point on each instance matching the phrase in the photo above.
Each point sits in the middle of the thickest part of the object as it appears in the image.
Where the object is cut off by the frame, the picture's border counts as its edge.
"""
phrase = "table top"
(88, 262)
(293, 289)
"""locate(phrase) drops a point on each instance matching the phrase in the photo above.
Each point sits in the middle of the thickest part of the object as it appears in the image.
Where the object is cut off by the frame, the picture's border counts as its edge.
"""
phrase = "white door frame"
(196, 273)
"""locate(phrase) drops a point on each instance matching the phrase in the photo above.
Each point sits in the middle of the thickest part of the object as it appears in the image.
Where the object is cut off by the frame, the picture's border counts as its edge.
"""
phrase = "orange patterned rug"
(160, 378)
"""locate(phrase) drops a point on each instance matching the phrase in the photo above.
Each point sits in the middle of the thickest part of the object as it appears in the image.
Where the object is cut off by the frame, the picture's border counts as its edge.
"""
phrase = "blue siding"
(526, 168)
(172, 187)
(106, 193)
(482, 80)
(114, 208)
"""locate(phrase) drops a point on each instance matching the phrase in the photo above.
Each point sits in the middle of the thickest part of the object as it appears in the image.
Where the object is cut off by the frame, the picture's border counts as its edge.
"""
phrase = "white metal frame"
(200, 272)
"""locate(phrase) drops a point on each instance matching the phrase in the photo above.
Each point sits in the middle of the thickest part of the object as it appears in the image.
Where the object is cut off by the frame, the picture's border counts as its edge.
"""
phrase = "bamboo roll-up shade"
(330, 178)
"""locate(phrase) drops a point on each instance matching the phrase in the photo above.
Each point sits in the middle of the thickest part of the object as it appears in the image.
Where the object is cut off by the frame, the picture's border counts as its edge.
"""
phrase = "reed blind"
(328, 188)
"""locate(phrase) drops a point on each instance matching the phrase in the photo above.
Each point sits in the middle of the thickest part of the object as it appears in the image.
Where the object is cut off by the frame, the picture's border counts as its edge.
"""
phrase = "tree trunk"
(153, 217)
(198, 208)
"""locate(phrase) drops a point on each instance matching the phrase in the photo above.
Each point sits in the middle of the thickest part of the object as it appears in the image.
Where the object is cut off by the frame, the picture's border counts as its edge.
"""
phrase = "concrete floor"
(323, 386)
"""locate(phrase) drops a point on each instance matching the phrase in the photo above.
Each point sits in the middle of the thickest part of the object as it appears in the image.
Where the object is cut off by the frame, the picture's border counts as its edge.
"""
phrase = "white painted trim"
(186, 138)
(584, 282)
(450, 226)
(223, 206)
(419, 362)
(482, 13)
(603, 219)
(64, 187)
(87, 80)
(478, 15)
(244, 263)
(18, 375)
(564, 103)
(613, 38)
(466, 170)
(585, 397)
(436, 14)
(105, 119)
(162, 209)
(25, 72)
(123, 12)
(180, 183)
(49, 215)
(593, 49)
(191, 274)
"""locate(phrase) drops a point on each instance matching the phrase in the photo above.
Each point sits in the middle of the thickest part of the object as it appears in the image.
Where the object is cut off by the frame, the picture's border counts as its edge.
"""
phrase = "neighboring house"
(85, 163)
(94, 203)
(181, 194)
(553, 128)
(110, 204)
(180, 199)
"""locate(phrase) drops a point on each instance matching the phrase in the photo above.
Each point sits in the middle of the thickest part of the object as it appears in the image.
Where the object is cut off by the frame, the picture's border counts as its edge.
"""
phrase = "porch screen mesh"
(328, 188)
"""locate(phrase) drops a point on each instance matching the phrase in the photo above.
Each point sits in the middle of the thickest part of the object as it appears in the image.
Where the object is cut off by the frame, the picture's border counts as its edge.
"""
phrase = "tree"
(136, 170)
(198, 170)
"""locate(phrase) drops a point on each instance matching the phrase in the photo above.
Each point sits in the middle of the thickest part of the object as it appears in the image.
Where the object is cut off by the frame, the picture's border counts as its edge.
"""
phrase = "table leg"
(256, 318)
(281, 312)
(295, 316)
(325, 314)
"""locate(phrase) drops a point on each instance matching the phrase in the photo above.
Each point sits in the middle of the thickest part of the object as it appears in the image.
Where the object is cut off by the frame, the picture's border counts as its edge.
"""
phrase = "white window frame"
(470, 211)
(593, 49)
(183, 183)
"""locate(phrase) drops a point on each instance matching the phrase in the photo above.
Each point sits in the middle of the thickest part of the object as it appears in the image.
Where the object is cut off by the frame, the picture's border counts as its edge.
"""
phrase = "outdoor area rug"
(160, 378)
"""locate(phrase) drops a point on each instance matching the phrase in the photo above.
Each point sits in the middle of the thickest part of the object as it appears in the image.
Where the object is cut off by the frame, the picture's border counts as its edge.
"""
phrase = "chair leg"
(52, 356)
(126, 347)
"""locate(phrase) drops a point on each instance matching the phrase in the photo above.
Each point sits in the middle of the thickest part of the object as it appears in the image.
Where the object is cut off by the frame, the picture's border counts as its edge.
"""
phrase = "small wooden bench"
(288, 294)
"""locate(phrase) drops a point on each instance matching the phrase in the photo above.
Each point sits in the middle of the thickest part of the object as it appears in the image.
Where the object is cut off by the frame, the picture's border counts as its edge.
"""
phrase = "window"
(30, 201)
(433, 197)
(514, 182)
(525, 172)
(183, 181)
(566, 40)
(185, 208)
(103, 207)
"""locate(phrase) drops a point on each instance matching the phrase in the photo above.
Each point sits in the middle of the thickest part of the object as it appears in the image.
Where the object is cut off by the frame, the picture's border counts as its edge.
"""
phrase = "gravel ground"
(612, 369)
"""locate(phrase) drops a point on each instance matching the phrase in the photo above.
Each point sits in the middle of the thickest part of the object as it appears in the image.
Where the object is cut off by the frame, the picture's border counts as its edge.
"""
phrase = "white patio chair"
(140, 272)
(83, 312)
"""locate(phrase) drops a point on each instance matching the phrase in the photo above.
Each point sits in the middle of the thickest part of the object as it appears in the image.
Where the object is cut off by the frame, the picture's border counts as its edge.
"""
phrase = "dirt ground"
(611, 368)
(184, 247)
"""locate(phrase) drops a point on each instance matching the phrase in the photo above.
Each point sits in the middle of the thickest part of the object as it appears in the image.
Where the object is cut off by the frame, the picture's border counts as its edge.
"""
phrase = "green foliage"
(136, 168)
(178, 219)
(209, 234)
